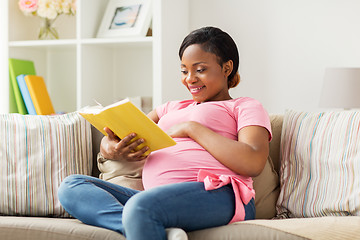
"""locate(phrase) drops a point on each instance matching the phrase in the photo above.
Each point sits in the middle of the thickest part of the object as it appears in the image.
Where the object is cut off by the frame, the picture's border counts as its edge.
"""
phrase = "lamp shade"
(341, 88)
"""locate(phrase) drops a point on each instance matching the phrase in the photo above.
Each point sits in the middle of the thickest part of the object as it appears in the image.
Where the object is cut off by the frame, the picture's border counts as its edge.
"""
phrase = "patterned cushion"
(320, 169)
(36, 154)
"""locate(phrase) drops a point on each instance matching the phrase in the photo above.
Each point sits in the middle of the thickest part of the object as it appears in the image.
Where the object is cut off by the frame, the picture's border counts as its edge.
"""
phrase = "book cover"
(124, 118)
(25, 94)
(39, 95)
(16, 68)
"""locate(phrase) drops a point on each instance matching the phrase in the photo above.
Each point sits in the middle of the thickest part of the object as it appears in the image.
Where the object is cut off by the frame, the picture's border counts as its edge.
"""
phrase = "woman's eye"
(201, 70)
(183, 71)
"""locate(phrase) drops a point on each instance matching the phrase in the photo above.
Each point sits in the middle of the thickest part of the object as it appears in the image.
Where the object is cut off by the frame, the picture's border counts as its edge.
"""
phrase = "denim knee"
(135, 209)
(141, 213)
(67, 189)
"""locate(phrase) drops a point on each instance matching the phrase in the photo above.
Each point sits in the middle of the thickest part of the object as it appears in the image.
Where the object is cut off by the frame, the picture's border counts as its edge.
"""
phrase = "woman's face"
(203, 76)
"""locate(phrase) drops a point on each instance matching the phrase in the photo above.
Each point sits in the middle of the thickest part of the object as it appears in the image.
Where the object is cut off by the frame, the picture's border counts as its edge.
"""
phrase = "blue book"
(25, 94)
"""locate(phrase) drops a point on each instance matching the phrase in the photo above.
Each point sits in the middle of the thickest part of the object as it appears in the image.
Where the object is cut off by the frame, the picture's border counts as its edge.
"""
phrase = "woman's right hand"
(114, 148)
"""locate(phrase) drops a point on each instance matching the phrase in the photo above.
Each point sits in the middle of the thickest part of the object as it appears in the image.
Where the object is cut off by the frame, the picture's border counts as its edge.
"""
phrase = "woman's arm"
(153, 116)
(246, 156)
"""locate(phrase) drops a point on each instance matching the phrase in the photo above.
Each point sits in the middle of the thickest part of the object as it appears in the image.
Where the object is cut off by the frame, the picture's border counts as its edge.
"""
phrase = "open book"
(124, 118)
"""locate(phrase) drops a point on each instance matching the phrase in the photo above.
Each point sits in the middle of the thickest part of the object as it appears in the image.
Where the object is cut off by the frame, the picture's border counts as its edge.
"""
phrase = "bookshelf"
(79, 67)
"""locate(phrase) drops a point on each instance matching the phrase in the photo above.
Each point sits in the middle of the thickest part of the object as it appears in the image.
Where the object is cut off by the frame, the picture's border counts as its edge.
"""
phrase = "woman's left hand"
(181, 130)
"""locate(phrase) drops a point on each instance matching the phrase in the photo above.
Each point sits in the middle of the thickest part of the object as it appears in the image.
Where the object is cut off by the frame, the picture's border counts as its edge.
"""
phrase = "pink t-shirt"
(182, 162)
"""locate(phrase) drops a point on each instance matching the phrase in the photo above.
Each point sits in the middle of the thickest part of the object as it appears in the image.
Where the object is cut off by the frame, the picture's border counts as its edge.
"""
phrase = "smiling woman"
(218, 139)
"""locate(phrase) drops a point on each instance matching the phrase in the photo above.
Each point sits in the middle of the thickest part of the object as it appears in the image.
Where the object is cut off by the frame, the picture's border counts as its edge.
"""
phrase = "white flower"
(47, 9)
(64, 6)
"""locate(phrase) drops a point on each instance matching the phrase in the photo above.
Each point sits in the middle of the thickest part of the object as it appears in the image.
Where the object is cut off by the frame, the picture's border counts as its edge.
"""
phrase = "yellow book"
(124, 118)
(39, 95)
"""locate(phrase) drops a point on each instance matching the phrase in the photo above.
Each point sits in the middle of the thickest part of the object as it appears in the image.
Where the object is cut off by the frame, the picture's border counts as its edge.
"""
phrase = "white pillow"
(320, 168)
(36, 154)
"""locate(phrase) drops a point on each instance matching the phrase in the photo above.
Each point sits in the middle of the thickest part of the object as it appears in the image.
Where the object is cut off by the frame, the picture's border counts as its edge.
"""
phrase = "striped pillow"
(36, 154)
(320, 168)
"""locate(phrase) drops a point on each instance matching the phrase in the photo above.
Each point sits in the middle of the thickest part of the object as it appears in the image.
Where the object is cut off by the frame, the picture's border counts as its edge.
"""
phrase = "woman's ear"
(228, 67)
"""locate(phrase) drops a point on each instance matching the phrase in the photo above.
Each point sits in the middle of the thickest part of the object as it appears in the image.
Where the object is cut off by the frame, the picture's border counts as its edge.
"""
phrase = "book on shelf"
(25, 94)
(16, 68)
(123, 118)
(39, 95)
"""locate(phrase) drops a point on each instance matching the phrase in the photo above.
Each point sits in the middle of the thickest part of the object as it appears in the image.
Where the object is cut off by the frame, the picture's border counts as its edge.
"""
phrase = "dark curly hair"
(218, 42)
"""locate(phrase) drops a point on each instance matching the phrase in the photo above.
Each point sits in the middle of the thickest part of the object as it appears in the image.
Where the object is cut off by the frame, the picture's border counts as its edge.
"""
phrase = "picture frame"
(126, 18)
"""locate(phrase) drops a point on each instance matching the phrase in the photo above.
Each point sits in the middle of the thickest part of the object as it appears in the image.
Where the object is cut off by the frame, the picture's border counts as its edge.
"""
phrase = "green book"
(16, 68)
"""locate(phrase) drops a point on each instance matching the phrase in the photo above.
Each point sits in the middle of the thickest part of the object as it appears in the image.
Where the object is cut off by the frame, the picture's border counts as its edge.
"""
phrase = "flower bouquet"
(48, 10)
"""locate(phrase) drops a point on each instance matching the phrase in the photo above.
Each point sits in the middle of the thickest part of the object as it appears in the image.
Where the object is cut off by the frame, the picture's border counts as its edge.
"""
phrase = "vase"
(47, 30)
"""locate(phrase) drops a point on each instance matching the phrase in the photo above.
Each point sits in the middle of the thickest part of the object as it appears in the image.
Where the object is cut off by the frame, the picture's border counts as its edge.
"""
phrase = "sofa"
(271, 222)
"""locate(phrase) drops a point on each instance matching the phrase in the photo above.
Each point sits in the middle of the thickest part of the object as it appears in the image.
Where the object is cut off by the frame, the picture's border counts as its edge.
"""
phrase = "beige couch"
(267, 191)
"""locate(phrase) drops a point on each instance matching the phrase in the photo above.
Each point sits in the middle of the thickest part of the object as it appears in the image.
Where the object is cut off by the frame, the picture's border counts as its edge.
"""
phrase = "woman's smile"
(196, 90)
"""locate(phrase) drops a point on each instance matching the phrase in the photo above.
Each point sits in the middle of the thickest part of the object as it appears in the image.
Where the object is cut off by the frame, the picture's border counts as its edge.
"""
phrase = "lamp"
(341, 88)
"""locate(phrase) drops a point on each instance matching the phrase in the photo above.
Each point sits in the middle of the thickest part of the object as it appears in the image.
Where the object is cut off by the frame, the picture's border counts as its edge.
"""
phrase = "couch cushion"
(267, 185)
(36, 228)
(297, 228)
(36, 154)
(276, 128)
(267, 190)
(320, 167)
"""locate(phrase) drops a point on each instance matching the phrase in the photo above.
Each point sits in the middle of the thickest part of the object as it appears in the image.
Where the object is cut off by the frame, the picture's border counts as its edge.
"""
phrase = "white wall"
(285, 45)
(4, 67)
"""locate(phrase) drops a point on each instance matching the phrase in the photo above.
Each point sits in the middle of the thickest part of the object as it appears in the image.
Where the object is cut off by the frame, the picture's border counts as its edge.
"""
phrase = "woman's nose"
(191, 78)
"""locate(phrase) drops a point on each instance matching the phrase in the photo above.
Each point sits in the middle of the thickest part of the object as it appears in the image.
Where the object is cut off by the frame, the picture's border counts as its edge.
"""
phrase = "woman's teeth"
(195, 90)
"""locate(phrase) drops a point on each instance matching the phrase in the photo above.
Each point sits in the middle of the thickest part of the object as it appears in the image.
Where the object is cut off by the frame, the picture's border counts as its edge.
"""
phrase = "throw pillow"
(266, 187)
(36, 154)
(320, 169)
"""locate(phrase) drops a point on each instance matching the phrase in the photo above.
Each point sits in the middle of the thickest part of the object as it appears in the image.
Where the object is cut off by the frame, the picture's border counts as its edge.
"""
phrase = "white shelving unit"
(79, 67)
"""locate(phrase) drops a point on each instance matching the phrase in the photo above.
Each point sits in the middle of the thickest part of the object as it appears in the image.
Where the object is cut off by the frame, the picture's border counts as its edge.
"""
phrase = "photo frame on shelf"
(126, 18)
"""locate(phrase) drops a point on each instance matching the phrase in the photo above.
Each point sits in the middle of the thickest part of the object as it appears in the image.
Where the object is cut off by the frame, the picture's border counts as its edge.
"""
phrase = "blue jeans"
(145, 214)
